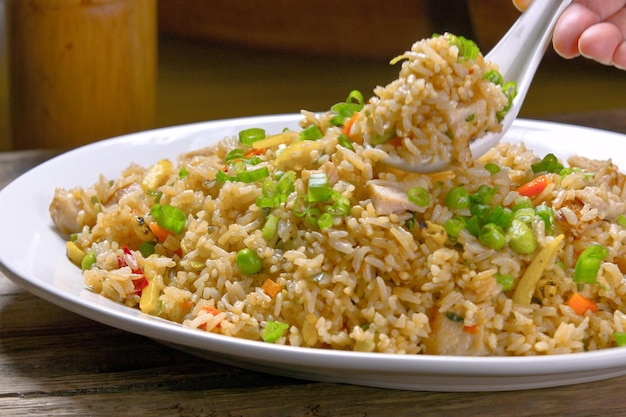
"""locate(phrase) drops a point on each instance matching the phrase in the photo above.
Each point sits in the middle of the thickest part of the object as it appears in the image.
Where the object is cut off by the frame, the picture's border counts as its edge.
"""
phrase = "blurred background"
(230, 58)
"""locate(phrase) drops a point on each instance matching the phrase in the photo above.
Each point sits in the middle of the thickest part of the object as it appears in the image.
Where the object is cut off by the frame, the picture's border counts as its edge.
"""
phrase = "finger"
(522, 5)
(599, 42)
(570, 26)
(619, 20)
(603, 8)
(619, 57)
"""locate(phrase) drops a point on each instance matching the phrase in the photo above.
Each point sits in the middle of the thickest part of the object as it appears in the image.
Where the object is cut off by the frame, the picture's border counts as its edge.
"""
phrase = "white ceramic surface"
(33, 255)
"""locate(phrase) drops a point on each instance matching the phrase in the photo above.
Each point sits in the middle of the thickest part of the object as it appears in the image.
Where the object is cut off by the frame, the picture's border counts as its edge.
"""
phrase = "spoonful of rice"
(450, 104)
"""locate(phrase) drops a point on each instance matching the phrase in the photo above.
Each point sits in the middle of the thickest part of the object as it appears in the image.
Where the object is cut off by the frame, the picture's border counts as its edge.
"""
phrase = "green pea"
(249, 262)
(492, 236)
(88, 261)
(458, 198)
(521, 237)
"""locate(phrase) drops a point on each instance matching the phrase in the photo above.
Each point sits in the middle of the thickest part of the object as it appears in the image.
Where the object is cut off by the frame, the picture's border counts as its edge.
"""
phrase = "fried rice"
(305, 238)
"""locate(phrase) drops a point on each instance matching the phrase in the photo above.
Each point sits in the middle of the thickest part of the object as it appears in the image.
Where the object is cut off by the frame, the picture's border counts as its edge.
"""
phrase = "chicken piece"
(464, 127)
(609, 205)
(450, 338)
(605, 171)
(388, 197)
(65, 207)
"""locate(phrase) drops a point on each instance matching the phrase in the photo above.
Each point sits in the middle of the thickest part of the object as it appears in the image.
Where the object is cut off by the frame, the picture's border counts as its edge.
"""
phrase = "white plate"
(35, 256)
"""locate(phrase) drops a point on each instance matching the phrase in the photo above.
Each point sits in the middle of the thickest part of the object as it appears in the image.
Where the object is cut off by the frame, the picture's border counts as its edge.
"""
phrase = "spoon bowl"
(518, 55)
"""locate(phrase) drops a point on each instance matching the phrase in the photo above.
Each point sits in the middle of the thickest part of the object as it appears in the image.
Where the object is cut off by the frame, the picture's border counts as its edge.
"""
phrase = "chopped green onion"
(481, 211)
(345, 141)
(452, 316)
(492, 168)
(386, 136)
(353, 103)
(275, 193)
(345, 110)
(356, 97)
(494, 77)
(483, 194)
(234, 155)
(249, 262)
(492, 236)
(285, 185)
(510, 91)
(621, 220)
(546, 214)
(183, 173)
(157, 194)
(147, 248)
(410, 223)
(312, 216)
(521, 237)
(468, 50)
(419, 196)
(571, 170)
(223, 177)
(500, 216)
(300, 206)
(549, 163)
(318, 188)
(269, 228)
(169, 217)
(505, 280)
(325, 221)
(458, 198)
(273, 331)
(526, 214)
(453, 227)
(588, 264)
(249, 136)
(341, 205)
(253, 175)
(620, 338)
(472, 225)
(311, 132)
(88, 261)
(522, 202)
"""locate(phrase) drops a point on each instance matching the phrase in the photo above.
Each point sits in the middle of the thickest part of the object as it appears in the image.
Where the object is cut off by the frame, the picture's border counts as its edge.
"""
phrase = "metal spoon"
(518, 55)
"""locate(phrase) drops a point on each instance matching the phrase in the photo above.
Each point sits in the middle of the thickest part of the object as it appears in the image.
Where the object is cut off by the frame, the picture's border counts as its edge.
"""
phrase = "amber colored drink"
(80, 70)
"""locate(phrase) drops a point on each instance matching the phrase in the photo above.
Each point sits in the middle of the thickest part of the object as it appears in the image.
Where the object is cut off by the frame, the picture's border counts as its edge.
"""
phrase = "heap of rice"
(442, 99)
(382, 272)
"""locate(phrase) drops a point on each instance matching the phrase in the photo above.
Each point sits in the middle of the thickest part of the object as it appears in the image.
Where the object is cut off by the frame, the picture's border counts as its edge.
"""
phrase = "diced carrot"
(271, 288)
(396, 141)
(473, 329)
(253, 152)
(210, 310)
(580, 304)
(533, 187)
(159, 232)
(348, 126)
(186, 304)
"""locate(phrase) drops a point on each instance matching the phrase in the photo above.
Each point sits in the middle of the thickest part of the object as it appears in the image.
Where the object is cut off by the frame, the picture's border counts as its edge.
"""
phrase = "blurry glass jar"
(80, 70)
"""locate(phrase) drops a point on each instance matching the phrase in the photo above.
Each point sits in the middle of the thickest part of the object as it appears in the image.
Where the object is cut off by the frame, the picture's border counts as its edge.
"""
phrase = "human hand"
(595, 29)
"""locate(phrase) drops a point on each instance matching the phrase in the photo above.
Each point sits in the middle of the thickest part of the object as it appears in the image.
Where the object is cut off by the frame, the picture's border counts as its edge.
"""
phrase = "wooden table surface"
(56, 363)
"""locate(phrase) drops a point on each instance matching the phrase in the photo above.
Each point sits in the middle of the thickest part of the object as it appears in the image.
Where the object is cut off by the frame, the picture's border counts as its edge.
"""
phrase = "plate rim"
(173, 333)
